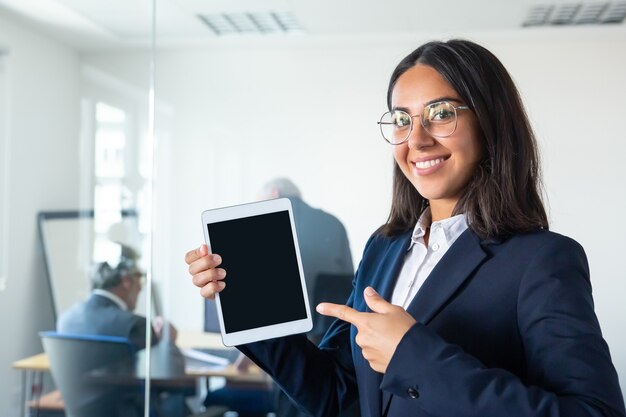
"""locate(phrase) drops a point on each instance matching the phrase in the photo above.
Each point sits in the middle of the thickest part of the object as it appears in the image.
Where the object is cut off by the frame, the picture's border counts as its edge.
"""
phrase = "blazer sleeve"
(569, 369)
(321, 380)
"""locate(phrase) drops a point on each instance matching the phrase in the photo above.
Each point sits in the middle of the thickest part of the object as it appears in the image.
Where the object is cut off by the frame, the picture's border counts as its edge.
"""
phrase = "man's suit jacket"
(504, 328)
(323, 242)
(100, 316)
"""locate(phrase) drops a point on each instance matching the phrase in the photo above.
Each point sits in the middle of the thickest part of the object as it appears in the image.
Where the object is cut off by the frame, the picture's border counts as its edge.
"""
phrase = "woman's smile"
(429, 165)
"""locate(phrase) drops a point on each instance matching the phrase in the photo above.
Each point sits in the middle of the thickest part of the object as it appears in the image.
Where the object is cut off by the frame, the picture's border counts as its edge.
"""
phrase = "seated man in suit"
(108, 311)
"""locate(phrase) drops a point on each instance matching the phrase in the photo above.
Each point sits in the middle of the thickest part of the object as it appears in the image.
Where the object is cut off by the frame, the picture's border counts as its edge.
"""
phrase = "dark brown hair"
(503, 196)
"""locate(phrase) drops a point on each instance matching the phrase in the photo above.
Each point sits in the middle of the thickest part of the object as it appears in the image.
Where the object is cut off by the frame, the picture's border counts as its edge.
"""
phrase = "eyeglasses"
(139, 276)
(439, 119)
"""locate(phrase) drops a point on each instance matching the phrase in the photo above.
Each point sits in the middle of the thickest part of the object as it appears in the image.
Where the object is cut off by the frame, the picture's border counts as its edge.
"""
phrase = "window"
(118, 181)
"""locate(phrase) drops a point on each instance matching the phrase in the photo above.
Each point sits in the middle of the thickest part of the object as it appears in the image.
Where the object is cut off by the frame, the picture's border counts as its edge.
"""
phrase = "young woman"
(464, 304)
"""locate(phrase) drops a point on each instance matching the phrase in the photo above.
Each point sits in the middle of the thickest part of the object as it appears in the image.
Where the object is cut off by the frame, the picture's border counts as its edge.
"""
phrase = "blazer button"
(413, 393)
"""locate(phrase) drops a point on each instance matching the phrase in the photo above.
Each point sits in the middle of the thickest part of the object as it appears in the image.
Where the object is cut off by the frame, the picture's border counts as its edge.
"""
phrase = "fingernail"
(221, 284)
(369, 291)
(221, 273)
(320, 308)
(217, 258)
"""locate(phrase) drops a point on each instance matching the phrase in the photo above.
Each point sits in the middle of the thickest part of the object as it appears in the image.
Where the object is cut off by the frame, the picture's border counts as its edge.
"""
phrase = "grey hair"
(104, 276)
(283, 186)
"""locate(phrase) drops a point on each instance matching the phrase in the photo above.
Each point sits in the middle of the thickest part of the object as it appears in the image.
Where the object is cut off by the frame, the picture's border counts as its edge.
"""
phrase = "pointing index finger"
(341, 312)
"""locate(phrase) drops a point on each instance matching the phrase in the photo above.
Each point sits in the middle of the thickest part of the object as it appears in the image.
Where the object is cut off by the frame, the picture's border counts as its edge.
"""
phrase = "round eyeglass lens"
(439, 119)
(395, 126)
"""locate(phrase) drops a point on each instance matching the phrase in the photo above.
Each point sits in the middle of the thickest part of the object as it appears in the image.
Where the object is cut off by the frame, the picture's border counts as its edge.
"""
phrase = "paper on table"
(205, 357)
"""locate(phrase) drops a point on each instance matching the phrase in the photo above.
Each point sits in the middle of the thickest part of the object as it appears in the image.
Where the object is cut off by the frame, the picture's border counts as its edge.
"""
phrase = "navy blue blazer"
(503, 329)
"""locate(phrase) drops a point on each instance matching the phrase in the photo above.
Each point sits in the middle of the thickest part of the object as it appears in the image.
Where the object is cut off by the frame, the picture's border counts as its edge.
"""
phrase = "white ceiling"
(94, 24)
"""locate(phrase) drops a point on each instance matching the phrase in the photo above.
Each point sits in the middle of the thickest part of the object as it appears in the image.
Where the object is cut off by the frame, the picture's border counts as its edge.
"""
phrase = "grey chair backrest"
(95, 374)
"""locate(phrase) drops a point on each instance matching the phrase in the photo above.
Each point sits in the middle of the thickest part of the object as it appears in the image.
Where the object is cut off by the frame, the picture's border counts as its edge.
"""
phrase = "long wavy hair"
(503, 197)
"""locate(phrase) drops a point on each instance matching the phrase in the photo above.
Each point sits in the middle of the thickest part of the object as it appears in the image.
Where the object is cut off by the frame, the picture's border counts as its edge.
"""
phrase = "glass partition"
(118, 135)
(76, 196)
(4, 170)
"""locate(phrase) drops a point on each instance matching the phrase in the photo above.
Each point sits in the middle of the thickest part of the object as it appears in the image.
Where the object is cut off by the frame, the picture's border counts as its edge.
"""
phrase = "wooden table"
(34, 367)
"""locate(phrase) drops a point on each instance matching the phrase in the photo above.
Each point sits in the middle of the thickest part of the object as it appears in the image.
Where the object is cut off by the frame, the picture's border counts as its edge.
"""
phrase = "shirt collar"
(107, 294)
(452, 227)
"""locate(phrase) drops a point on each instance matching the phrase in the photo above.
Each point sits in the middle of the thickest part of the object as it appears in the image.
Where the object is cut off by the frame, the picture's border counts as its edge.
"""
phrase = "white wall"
(43, 141)
(307, 109)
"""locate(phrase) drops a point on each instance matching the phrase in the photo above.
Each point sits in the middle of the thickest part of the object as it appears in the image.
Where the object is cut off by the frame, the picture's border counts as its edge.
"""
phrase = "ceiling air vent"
(222, 24)
(594, 13)
(615, 13)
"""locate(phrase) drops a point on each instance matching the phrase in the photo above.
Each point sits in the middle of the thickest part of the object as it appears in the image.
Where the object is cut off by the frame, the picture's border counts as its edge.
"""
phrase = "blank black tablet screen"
(263, 285)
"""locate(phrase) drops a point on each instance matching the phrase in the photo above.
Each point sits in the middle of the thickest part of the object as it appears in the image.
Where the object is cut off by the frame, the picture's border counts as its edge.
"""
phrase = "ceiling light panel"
(564, 14)
(538, 15)
(572, 13)
(615, 13)
(251, 23)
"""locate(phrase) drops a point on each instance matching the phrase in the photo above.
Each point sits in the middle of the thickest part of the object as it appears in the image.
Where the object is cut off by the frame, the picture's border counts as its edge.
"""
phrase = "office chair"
(95, 374)
(330, 288)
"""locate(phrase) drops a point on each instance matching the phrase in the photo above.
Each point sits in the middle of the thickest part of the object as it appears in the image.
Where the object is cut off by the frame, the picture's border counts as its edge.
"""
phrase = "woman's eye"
(402, 120)
(440, 113)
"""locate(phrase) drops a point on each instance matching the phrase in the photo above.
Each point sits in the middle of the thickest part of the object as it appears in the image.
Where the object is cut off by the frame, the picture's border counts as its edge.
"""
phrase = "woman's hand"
(204, 271)
(380, 332)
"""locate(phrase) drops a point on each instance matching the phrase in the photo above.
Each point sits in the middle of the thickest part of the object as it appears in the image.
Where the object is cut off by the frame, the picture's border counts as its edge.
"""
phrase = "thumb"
(195, 254)
(377, 303)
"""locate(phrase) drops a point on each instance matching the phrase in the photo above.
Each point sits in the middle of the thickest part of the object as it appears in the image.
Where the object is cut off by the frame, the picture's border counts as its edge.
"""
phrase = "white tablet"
(265, 294)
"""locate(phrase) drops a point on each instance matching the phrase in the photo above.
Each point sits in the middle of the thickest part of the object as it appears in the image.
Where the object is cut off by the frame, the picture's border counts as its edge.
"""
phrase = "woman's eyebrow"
(435, 100)
(445, 98)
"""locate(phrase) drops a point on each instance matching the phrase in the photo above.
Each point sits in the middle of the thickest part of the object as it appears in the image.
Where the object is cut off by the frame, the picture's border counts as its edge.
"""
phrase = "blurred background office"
(245, 91)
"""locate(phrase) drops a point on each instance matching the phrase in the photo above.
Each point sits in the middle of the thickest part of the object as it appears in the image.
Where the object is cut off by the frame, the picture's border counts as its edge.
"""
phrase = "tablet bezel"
(275, 330)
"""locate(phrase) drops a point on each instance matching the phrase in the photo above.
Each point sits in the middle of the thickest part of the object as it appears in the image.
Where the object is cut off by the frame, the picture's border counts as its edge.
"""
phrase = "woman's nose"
(419, 137)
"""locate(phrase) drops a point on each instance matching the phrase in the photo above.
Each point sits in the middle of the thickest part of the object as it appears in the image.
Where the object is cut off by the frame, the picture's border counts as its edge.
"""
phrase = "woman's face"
(439, 168)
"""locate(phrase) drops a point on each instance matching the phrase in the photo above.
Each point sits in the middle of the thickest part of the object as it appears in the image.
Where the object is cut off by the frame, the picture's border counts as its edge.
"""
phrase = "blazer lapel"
(386, 275)
(463, 257)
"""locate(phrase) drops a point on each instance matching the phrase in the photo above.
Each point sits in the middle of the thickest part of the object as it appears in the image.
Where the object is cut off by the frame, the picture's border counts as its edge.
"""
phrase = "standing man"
(324, 249)
(323, 241)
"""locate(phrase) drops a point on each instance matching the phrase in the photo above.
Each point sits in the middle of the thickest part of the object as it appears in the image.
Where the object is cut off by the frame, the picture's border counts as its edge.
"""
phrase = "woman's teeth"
(428, 164)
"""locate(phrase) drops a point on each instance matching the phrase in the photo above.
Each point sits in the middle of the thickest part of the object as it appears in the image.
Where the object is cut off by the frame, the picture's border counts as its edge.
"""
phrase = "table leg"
(23, 396)
(38, 390)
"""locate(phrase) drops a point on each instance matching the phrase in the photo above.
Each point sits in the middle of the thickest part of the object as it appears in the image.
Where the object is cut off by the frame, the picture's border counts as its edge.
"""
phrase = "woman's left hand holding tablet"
(203, 267)
(379, 332)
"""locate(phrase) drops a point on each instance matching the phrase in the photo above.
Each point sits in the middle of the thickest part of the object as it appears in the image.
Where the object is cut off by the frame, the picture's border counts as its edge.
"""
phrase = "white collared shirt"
(117, 300)
(421, 260)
